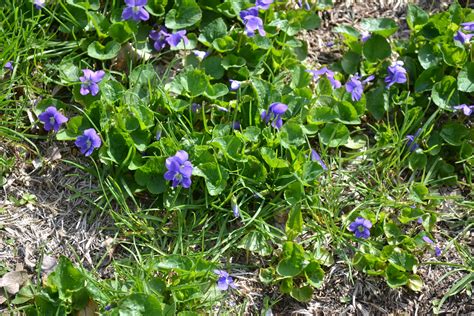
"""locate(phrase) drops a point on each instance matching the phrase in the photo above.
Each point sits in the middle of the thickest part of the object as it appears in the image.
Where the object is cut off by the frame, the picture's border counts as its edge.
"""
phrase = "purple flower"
(39, 4)
(234, 84)
(361, 227)
(158, 134)
(396, 74)
(419, 220)
(200, 54)
(195, 107)
(176, 38)
(436, 248)
(306, 5)
(90, 81)
(225, 280)
(328, 73)
(253, 11)
(315, 157)
(463, 38)
(236, 125)
(159, 37)
(180, 169)
(252, 24)
(330, 44)
(235, 207)
(468, 26)
(364, 36)
(52, 119)
(88, 141)
(8, 65)
(135, 10)
(263, 4)
(275, 111)
(467, 109)
(222, 109)
(356, 87)
(411, 143)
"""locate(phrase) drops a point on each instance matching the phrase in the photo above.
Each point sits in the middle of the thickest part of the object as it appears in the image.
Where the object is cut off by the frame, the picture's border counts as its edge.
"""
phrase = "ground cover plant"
(220, 149)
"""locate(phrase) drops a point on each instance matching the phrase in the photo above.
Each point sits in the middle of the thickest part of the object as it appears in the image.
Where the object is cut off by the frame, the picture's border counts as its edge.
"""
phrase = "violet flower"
(174, 39)
(236, 125)
(462, 37)
(361, 227)
(364, 36)
(306, 5)
(411, 141)
(252, 24)
(225, 280)
(8, 65)
(39, 4)
(158, 134)
(234, 84)
(159, 37)
(315, 157)
(253, 11)
(52, 119)
(195, 107)
(90, 81)
(200, 54)
(88, 141)
(235, 207)
(356, 87)
(396, 74)
(180, 169)
(328, 73)
(135, 10)
(436, 248)
(275, 111)
(263, 4)
(466, 109)
(468, 26)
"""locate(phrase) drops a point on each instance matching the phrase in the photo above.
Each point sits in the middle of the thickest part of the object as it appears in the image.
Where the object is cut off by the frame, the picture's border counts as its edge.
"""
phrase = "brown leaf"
(12, 281)
(89, 310)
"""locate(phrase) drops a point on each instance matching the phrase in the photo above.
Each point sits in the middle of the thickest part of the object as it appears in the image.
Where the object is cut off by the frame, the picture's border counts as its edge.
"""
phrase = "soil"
(46, 209)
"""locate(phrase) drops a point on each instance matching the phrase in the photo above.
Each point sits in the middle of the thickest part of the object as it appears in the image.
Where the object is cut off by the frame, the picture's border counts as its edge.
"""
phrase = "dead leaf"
(48, 264)
(12, 281)
(89, 310)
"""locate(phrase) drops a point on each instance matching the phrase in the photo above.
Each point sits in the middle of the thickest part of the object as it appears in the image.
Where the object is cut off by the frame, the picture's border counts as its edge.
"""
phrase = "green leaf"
(302, 294)
(453, 55)
(402, 260)
(415, 283)
(254, 170)
(174, 262)
(233, 61)
(150, 175)
(466, 78)
(185, 13)
(213, 67)
(98, 51)
(195, 82)
(384, 26)
(293, 258)
(391, 230)
(292, 134)
(445, 93)
(213, 30)
(272, 159)
(121, 31)
(323, 114)
(156, 7)
(454, 133)
(417, 161)
(347, 114)
(85, 4)
(419, 191)
(428, 57)
(314, 274)
(294, 224)
(350, 62)
(416, 16)
(376, 48)
(428, 78)
(224, 44)
(255, 242)
(348, 31)
(376, 102)
(140, 304)
(334, 135)
(118, 146)
(395, 277)
(215, 176)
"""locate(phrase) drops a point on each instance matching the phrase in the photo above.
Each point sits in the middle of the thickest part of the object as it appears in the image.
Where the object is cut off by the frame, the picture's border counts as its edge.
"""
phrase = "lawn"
(248, 157)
